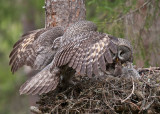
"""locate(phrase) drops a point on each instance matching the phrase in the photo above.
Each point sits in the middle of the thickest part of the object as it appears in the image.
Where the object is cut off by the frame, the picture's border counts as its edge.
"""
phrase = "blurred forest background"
(136, 20)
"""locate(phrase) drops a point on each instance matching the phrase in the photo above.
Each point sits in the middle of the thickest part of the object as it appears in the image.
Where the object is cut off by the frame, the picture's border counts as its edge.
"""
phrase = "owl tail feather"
(43, 82)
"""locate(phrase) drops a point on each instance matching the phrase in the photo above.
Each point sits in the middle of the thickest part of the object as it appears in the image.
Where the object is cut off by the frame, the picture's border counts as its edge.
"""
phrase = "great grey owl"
(80, 49)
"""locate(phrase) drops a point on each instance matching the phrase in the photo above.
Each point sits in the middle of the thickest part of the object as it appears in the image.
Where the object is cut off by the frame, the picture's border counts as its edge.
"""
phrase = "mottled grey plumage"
(86, 52)
(41, 83)
(129, 71)
(81, 49)
(125, 51)
(35, 49)
(76, 29)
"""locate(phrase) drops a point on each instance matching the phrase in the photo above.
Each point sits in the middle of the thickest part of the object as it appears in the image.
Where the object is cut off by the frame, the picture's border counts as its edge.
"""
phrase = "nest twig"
(111, 95)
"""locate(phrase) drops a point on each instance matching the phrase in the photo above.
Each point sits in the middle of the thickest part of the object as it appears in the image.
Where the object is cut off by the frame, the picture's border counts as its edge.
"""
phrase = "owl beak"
(119, 61)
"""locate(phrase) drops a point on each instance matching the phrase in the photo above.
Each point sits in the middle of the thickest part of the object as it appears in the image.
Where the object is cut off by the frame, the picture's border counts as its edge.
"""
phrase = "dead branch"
(111, 95)
(131, 92)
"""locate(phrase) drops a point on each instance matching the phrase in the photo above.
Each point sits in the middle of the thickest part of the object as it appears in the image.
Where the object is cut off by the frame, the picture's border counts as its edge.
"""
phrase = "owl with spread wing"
(59, 54)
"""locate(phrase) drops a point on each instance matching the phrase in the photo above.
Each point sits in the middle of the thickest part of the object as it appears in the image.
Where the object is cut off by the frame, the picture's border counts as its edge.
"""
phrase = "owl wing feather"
(43, 82)
(34, 48)
(23, 52)
(87, 53)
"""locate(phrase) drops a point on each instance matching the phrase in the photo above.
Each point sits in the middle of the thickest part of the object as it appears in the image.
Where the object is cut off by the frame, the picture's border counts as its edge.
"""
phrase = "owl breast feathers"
(57, 53)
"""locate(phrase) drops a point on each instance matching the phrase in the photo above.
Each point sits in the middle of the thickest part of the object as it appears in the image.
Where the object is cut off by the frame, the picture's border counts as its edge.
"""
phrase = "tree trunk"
(143, 28)
(64, 12)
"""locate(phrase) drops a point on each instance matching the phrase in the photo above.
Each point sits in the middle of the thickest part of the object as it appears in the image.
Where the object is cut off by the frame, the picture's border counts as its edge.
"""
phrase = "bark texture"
(143, 30)
(64, 12)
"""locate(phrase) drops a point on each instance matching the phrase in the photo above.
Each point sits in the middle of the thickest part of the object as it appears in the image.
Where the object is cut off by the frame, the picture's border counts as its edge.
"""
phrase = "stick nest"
(111, 95)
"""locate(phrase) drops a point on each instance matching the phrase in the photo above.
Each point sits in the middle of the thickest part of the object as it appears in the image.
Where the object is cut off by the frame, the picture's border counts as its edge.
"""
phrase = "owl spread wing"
(88, 53)
(34, 48)
(23, 52)
(82, 48)
(41, 83)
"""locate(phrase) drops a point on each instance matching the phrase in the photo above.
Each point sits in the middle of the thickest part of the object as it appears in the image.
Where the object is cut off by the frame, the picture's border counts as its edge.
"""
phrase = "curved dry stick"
(35, 110)
(133, 88)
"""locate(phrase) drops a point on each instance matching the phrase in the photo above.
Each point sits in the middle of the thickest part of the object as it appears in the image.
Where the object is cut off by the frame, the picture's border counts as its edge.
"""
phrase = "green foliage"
(10, 31)
(105, 13)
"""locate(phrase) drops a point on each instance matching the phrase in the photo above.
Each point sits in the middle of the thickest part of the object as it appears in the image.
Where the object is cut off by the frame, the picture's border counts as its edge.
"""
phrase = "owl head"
(125, 51)
(124, 54)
